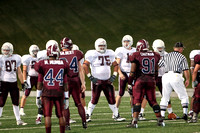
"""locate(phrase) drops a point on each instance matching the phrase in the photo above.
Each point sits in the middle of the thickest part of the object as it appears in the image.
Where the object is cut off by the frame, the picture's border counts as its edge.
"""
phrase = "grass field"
(101, 119)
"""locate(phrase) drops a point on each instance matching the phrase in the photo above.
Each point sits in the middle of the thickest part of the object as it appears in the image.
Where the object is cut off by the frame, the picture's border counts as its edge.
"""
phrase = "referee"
(175, 64)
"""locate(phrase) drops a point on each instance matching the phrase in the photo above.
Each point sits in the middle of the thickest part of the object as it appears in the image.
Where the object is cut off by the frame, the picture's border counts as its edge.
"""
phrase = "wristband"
(88, 75)
(115, 73)
(39, 92)
(191, 67)
(66, 93)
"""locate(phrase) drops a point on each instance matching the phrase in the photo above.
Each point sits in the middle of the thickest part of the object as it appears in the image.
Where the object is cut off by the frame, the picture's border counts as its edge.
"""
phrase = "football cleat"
(84, 125)
(185, 117)
(161, 123)
(190, 114)
(133, 124)
(20, 122)
(67, 127)
(141, 117)
(21, 112)
(192, 121)
(118, 118)
(72, 121)
(38, 121)
(88, 118)
(113, 116)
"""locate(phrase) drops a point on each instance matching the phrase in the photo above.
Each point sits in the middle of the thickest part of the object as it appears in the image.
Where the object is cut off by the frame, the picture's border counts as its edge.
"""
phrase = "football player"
(10, 68)
(76, 78)
(196, 86)
(193, 53)
(30, 76)
(100, 62)
(144, 68)
(52, 84)
(159, 47)
(122, 58)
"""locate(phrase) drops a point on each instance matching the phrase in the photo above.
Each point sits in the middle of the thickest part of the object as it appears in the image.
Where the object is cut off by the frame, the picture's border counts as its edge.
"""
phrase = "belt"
(173, 72)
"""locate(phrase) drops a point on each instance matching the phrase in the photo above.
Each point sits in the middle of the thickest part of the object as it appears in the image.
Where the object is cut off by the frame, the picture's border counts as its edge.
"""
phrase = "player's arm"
(20, 75)
(39, 91)
(86, 65)
(115, 70)
(66, 93)
(24, 72)
(121, 75)
(82, 76)
(192, 64)
(187, 77)
(132, 73)
(194, 75)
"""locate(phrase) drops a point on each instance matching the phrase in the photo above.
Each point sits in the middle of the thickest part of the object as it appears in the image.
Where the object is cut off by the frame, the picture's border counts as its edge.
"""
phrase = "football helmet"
(66, 43)
(33, 50)
(142, 45)
(75, 47)
(159, 46)
(101, 45)
(52, 48)
(125, 39)
(7, 49)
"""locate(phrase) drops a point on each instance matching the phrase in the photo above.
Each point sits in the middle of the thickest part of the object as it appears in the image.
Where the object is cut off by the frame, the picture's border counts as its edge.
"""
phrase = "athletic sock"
(90, 108)
(16, 112)
(1, 111)
(114, 109)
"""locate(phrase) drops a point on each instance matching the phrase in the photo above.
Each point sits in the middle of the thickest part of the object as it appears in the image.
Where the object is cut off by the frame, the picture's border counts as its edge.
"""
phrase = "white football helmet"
(7, 49)
(159, 46)
(33, 50)
(75, 47)
(52, 48)
(99, 43)
(129, 39)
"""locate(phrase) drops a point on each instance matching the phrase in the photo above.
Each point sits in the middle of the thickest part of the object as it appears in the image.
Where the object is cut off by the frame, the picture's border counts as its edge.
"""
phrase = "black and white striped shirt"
(174, 61)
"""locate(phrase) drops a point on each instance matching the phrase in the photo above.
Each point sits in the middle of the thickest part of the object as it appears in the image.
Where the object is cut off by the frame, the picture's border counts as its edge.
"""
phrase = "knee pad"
(156, 108)
(136, 108)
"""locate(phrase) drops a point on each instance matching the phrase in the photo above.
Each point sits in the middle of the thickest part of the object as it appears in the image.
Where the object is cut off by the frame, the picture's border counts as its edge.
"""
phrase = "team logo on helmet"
(142, 45)
(66, 43)
(52, 48)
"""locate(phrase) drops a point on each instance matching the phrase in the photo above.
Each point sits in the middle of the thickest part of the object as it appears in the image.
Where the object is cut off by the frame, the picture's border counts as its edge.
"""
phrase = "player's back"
(72, 57)
(146, 62)
(51, 73)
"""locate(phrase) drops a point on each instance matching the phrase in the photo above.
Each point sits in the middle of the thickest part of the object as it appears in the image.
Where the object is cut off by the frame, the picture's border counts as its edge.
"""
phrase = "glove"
(66, 103)
(194, 84)
(130, 90)
(38, 102)
(24, 86)
(112, 78)
(93, 79)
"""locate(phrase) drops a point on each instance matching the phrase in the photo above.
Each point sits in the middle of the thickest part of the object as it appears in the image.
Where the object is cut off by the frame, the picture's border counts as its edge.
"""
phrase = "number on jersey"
(148, 66)
(74, 65)
(51, 80)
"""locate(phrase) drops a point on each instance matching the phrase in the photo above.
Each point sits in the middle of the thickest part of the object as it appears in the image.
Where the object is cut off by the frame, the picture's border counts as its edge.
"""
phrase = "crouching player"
(52, 85)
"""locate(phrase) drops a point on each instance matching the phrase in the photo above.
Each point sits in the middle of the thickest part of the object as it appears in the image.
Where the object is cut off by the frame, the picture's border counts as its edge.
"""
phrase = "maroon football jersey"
(146, 62)
(197, 61)
(53, 74)
(72, 57)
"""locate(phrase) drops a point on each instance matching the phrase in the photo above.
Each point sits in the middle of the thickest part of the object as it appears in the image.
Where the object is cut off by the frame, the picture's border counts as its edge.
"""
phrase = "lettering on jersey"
(54, 62)
(147, 54)
(66, 52)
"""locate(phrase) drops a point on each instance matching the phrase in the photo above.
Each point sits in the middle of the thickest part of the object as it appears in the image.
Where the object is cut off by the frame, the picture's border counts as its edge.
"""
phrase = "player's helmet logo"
(66, 43)
(159, 46)
(142, 45)
(33, 50)
(101, 45)
(7, 49)
(127, 41)
(52, 48)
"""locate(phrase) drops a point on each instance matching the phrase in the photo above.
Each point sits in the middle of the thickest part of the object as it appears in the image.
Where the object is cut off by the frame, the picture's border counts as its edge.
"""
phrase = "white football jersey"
(123, 54)
(100, 63)
(42, 55)
(161, 71)
(193, 53)
(9, 67)
(29, 61)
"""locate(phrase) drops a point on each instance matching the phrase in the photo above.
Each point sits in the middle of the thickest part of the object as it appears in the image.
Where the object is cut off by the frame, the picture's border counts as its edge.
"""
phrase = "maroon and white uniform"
(145, 82)
(8, 66)
(193, 53)
(32, 75)
(125, 66)
(52, 73)
(74, 83)
(100, 64)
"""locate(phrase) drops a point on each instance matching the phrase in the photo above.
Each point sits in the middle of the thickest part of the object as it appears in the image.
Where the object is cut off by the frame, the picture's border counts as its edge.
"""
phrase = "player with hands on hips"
(100, 61)
(10, 67)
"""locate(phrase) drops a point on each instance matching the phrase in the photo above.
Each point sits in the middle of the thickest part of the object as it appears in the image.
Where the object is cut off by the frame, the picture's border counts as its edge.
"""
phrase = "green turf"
(101, 119)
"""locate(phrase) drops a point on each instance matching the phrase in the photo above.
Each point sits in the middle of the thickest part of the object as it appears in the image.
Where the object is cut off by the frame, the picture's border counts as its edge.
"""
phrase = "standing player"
(159, 47)
(10, 67)
(193, 53)
(100, 62)
(76, 78)
(175, 64)
(144, 68)
(122, 58)
(30, 76)
(52, 84)
(196, 86)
